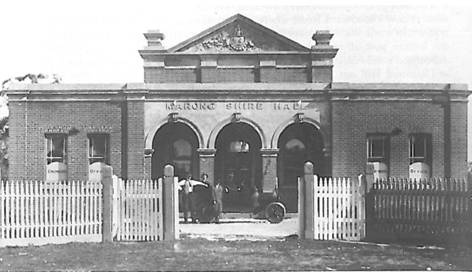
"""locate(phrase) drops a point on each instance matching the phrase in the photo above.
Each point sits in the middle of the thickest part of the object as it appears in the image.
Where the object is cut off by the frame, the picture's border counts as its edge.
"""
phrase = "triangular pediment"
(238, 34)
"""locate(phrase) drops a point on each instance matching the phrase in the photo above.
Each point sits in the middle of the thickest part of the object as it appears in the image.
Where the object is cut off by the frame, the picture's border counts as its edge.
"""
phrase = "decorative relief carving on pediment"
(226, 42)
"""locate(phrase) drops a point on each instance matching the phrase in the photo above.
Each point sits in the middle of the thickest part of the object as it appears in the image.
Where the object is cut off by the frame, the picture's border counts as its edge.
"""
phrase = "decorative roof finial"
(322, 38)
(154, 38)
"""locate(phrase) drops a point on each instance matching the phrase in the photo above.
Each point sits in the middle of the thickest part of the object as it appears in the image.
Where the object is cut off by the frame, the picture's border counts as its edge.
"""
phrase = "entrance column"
(269, 169)
(207, 162)
(148, 163)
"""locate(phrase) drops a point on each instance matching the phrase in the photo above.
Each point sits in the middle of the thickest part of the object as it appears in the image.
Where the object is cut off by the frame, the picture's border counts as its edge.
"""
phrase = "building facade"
(245, 105)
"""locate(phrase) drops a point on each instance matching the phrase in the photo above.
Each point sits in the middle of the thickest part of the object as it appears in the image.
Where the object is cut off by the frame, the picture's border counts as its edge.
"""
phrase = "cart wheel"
(275, 212)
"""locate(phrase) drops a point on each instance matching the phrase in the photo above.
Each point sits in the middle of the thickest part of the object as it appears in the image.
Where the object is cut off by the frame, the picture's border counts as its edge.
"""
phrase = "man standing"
(255, 200)
(218, 191)
(187, 186)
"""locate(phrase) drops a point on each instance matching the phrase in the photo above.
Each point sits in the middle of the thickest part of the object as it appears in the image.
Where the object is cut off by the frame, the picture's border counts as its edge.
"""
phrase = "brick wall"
(161, 75)
(153, 75)
(322, 74)
(290, 75)
(458, 139)
(133, 160)
(353, 120)
(214, 74)
(243, 68)
(235, 75)
(77, 119)
(16, 148)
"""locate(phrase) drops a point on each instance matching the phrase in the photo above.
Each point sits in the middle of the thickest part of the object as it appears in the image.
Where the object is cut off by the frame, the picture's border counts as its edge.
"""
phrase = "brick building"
(244, 104)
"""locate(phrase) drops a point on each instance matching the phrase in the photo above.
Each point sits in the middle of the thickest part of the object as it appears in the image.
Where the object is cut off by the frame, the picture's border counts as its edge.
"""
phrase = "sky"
(97, 41)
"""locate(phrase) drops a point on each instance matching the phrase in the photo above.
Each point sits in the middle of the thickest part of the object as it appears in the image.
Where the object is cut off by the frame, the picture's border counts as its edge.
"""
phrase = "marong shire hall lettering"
(232, 106)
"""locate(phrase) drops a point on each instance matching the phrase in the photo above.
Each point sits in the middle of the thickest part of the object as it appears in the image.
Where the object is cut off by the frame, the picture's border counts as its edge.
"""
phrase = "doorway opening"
(298, 143)
(238, 165)
(175, 144)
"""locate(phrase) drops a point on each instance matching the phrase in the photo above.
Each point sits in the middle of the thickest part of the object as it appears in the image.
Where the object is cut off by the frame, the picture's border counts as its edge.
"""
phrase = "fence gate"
(331, 208)
(138, 213)
(339, 209)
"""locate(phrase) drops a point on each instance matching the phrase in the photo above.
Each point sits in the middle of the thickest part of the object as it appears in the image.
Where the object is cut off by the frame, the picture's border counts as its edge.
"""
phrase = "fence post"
(369, 177)
(306, 201)
(301, 207)
(107, 190)
(309, 201)
(169, 203)
(362, 204)
(369, 203)
(176, 208)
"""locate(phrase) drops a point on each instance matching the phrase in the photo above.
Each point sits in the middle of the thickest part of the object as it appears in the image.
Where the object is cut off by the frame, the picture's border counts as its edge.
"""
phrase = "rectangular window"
(420, 148)
(378, 148)
(98, 148)
(56, 148)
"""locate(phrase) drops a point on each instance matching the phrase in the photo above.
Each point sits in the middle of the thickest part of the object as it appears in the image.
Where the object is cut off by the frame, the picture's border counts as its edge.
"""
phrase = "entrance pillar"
(207, 162)
(269, 169)
(148, 163)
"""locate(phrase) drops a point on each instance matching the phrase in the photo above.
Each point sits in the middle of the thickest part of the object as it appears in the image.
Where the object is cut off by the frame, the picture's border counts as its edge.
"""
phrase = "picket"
(339, 209)
(140, 210)
(35, 212)
(434, 206)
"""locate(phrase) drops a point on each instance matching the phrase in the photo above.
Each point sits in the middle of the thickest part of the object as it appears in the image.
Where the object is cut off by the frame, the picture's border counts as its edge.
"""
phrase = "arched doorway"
(298, 143)
(238, 164)
(175, 143)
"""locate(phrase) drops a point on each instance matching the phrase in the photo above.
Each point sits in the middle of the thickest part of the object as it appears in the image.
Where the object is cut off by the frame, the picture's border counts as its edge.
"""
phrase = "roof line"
(231, 19)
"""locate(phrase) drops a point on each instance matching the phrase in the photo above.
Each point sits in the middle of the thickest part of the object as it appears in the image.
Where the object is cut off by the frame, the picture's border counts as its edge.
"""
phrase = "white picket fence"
(36, 213)
(339, 207)
(139, 212)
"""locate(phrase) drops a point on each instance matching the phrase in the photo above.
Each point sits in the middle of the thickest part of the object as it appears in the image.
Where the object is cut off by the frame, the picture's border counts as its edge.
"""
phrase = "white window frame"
(49, 144)
(426, 141)
(92, 157)
(385, 140)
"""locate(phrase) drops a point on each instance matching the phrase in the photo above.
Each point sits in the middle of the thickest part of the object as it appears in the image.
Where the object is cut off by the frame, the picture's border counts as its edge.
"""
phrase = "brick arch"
(235, 118)
(297, 118)
(172, 118)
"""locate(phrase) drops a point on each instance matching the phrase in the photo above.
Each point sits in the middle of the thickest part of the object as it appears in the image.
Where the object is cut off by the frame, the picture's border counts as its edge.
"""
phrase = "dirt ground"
(203, 254)
(236, 244)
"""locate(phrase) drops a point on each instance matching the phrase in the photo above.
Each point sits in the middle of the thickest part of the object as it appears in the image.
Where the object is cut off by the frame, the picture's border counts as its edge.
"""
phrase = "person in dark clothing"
(255, 200)
(186, 185)
(218, 198)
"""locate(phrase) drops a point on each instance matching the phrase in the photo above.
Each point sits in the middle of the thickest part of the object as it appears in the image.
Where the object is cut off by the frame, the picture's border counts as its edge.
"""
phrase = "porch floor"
(238, 226)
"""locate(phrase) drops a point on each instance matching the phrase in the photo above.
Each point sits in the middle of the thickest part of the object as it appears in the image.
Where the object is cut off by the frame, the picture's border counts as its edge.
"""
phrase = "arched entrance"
(238, 164)
(298, 143)
(175, 143)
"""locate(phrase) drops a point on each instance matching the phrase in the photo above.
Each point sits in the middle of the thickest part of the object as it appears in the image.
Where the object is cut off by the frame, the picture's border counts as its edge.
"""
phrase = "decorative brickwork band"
(206, 152)
(269, 152)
